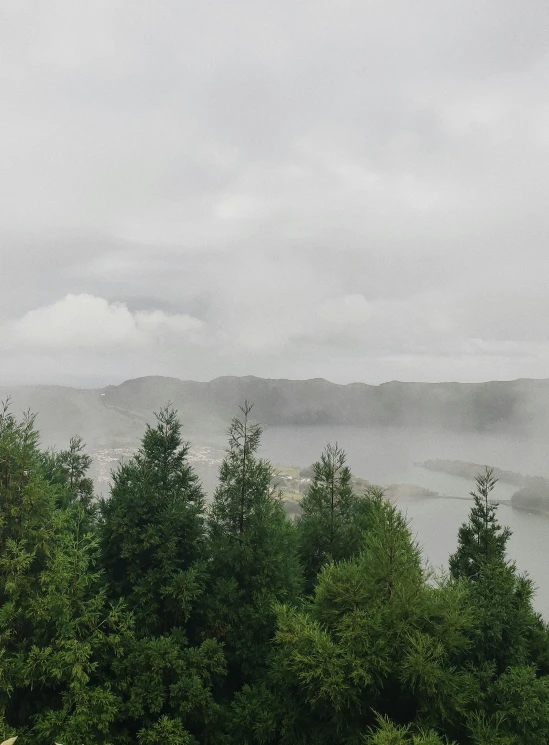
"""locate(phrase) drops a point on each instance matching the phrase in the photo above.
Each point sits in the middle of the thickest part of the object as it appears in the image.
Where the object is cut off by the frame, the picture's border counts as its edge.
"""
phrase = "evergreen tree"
(254, 554)
(153, 549)
(388, 733)
(67, 471)
(509, 642)
(76, 634)
(377, 637)
(27, 528)
(381, 652)
(153, 531)
(75, 462)
(27, 503)
(165, 687)
(481, 540)
(508, 649)
(333, 518)
(508, 631)
(55, 623)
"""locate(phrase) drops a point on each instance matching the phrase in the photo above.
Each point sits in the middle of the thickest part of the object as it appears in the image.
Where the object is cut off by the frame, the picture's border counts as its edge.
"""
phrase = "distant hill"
(115, 416)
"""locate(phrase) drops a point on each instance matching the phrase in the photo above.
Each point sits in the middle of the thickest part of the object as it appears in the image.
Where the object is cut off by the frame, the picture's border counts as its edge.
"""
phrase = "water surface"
(385, 456)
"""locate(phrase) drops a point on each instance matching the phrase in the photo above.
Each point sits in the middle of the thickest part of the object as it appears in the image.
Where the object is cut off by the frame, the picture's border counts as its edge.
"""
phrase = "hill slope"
(114, 416)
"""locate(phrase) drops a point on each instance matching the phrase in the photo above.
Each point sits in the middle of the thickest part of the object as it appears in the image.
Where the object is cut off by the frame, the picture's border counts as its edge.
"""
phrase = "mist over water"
(390, 455)
(380, 454)
(435, 523)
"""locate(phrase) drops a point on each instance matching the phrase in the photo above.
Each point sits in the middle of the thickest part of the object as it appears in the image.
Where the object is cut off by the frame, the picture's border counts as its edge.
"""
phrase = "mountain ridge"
(115, 415)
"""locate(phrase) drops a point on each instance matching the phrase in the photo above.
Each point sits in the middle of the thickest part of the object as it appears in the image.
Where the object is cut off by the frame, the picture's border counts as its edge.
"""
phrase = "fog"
(497, 424)
(351, 190)
(385, 454)
(389, 455)
(332, 210)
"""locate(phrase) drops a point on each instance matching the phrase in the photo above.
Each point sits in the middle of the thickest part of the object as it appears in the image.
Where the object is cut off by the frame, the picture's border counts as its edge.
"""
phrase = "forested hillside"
(148, 617)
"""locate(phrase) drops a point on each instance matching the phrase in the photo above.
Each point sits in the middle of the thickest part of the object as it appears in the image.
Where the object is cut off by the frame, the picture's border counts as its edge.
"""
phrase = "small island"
(533, 494)
(294, 483)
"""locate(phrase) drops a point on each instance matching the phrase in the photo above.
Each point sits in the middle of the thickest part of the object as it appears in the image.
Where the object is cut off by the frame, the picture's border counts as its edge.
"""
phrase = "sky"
(351, 190)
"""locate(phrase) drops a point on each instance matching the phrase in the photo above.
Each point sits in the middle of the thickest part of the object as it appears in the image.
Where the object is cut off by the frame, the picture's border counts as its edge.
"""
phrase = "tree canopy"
(156, 617)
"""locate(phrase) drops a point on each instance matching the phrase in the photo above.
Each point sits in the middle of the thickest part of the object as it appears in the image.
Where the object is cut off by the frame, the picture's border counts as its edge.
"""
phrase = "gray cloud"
(353, 190)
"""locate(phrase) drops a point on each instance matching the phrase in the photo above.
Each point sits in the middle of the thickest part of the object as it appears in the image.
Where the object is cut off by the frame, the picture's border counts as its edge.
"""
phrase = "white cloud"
(87, 321)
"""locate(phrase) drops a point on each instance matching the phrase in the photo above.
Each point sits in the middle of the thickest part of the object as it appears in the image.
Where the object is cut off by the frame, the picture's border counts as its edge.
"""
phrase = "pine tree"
(509, 642)
(55, 623)
(481, 540)
(75, 462)
(254, 554)
(153, 532)
(76, 635)
(376, 637)
(506, 622)
(153, 550)
(333, 518)
(67, 471)
(27, 503)
(27, 528)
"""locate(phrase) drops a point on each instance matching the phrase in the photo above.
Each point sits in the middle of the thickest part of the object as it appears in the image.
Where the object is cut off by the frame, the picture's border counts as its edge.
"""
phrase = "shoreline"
(504, 502)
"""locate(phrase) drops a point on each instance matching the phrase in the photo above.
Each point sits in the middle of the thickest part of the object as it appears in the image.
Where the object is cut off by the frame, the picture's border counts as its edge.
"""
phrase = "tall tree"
(153, 531)
(77, 633)
(55, 622)
(481, 540)
(67, 471)
(76, 463)
(376, 637)
(27, 530)
(509, 642)
(333, 518)
(501, 596)
(153, 549)
(254, 553)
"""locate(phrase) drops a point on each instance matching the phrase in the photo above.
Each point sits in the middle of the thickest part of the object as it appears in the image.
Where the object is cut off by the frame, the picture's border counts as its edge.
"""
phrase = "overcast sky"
(343, 189)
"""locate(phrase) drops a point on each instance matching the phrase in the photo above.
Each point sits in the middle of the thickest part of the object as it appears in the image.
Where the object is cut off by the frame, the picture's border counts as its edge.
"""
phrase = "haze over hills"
(386, 431)
(115, 416)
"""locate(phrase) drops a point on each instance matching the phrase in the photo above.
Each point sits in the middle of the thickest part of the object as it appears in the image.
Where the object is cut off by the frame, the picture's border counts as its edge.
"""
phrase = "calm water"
(386, 456)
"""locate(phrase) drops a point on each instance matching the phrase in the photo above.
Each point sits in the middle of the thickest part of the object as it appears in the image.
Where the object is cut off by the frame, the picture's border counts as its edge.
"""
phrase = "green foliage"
(67, 473)
(253, 554)
(153, 539)
(508, 643)
(55, 623)
(153, 532)
(165, 686)
(523, 700)
(27, 503)
(333, 518)
(388, 733)
(481, 540)
(161, 623)
(376, 637)
(76, 632)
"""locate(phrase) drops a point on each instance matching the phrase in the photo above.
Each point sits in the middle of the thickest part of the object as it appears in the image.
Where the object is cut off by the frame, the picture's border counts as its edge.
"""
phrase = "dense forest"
(152, 617)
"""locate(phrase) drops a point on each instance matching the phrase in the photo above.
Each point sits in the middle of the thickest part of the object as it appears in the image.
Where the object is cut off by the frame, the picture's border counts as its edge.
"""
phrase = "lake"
(386, 455)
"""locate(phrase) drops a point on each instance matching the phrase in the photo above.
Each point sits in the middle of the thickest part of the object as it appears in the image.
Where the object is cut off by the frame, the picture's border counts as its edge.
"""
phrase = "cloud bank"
(354, 191)
(88, 322)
